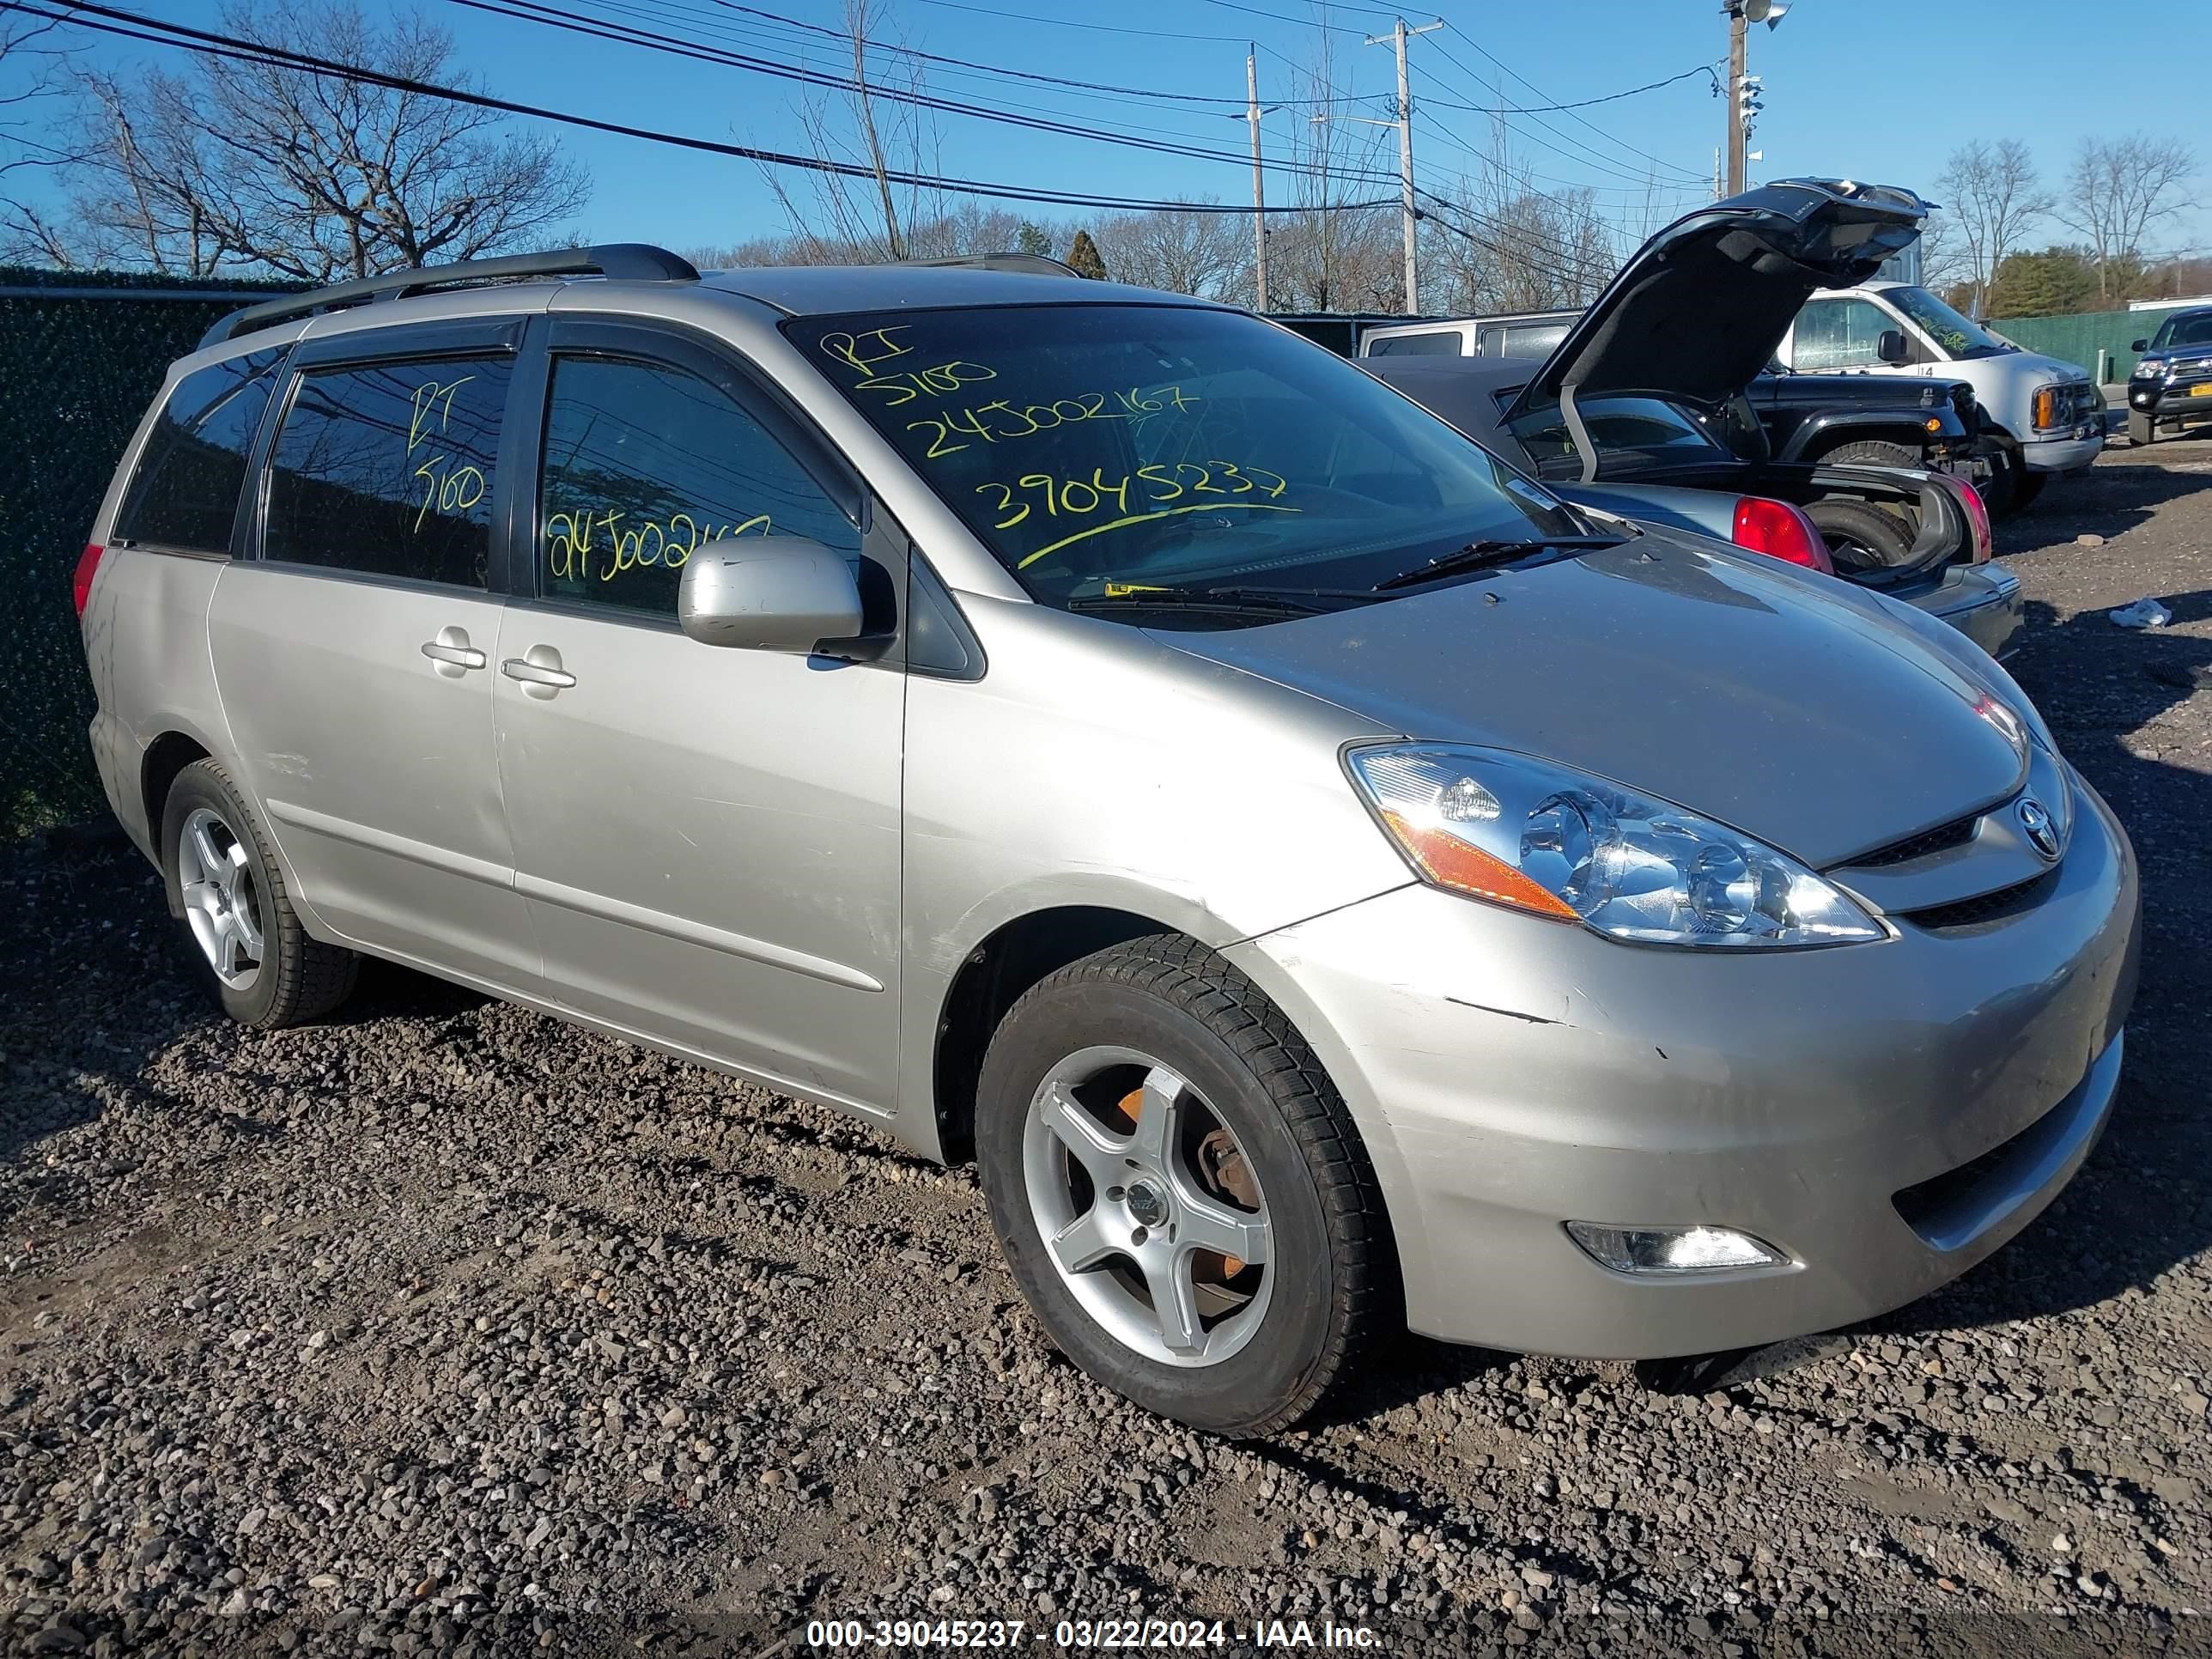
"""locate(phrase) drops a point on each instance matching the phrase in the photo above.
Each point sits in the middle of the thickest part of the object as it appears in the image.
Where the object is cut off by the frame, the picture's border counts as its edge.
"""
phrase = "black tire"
(2027, 484)
(2142, 430)
(1172, 999)
(2002, 486)
(1873, 453)
(1861, 538)
(297, 978)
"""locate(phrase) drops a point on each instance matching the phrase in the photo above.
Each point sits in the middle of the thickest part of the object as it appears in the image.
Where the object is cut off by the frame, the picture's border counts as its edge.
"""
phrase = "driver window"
(1841, 334)
(644, 462)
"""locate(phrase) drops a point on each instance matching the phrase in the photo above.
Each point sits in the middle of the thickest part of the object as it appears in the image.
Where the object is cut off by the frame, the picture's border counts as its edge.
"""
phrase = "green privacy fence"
(2077, 339)
(82, 354)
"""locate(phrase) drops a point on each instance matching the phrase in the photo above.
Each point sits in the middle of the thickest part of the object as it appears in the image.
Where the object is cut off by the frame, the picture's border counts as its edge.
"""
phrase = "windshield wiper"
(1476, 555)
(1279, 601)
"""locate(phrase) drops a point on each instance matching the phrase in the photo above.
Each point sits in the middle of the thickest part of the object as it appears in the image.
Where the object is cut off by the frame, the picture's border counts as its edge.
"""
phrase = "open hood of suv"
(1698, 310)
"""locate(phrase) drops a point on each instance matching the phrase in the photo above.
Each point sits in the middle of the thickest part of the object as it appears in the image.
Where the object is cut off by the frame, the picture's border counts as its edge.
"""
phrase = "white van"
(1525, 334)
(2049, 416)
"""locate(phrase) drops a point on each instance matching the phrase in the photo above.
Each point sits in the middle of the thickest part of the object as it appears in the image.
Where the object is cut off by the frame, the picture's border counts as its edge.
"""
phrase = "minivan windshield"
(1957, 334)
(1112, 450)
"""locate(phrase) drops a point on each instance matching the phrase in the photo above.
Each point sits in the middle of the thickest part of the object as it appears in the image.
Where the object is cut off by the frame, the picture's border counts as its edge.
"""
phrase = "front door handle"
(539, 670)
(452, 653)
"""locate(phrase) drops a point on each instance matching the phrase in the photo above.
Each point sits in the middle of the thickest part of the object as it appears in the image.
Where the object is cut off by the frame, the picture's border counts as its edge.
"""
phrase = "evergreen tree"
(1083, 257)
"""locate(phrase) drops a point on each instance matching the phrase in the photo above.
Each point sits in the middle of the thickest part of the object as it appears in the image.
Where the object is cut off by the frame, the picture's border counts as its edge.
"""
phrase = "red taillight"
(1781, 532)
(88, 567)
(1977, 517)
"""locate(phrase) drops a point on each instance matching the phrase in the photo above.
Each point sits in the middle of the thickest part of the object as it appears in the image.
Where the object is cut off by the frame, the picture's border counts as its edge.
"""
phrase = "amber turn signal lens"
(1450, 862)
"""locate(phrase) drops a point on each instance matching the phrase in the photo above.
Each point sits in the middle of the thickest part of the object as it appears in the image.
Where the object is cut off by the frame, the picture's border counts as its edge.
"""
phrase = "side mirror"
(2139, 346)
(768, 593)
(1890, 347)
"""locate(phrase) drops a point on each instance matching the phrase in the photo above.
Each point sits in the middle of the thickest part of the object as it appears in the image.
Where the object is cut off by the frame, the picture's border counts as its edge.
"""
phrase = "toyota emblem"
(2042, 834)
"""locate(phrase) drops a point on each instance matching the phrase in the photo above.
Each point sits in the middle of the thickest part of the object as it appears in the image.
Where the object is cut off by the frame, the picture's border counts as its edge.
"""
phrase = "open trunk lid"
(1699, 309)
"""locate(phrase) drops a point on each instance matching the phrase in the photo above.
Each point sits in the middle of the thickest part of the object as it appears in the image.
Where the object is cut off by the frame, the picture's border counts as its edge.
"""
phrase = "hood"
(1786, 705)
(1698, 310)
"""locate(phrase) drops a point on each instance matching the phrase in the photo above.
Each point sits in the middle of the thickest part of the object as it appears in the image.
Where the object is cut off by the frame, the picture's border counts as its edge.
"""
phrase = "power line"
(989, 68)
(1705, 70)
(535, 11)
(1617, 142)
(1070, 23)
(211, 43)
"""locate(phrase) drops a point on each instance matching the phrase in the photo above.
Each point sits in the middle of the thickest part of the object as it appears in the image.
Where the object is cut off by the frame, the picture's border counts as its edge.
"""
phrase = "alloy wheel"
(222, 903)
(1150, 1211)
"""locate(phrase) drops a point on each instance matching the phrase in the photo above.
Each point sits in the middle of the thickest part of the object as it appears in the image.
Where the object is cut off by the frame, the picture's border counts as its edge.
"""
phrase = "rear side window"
(1445, 343)
(184, 494)
(644, 463)
(387, 469)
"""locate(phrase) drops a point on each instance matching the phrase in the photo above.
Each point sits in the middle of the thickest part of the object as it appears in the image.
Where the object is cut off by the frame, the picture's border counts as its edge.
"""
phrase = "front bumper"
(2188, 398)
(1511, 1075)
(2066, 451)
(1981, 601)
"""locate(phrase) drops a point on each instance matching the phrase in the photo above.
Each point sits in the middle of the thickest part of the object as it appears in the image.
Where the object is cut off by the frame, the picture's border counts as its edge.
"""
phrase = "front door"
(354, 655)
(707, 838)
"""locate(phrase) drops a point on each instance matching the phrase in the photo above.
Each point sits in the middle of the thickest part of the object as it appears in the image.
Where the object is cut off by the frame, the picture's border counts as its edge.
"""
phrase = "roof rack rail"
(1036, 264)
(629, 261)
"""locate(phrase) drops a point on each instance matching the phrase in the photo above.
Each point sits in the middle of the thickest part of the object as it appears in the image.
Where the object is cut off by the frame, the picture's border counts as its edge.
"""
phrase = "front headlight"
(2045, 409)
(1511, 831)
(2150, 368)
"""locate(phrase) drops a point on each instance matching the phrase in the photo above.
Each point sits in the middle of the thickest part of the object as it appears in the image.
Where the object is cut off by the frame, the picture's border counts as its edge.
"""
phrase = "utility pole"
(1397, 38)
(1259, 188)
(1744, 88)
(1738, 135)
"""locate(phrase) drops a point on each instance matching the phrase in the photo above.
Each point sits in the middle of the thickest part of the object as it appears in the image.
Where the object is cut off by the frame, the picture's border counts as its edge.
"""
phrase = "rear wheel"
(1861, 538)
(1179, 1190)
(1873, 452)
(253, 954)
(2143, 429)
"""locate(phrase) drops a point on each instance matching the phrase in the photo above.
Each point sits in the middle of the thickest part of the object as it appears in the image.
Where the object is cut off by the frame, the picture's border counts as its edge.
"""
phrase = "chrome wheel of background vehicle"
(223, 905)
(1150, 1213)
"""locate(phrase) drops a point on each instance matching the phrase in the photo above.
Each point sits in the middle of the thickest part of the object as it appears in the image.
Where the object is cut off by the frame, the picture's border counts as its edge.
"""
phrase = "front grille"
(1941, 839)
(1984, 910)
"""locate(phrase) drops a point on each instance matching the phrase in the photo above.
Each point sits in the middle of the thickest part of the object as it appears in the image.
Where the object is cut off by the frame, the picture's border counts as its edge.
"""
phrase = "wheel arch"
(991, 977)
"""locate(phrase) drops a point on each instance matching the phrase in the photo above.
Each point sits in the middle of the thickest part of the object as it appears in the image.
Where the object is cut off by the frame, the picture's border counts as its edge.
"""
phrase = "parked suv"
(2172, 382)
(1323, 878)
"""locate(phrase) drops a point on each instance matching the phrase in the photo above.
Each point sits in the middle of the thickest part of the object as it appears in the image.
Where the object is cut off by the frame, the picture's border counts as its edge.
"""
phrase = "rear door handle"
(452, 653)
(539, 670)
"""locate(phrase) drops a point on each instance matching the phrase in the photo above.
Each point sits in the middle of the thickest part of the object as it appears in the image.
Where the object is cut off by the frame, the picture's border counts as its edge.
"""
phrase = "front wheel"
(253, 954)
(1179, 1190)
(2026, 486)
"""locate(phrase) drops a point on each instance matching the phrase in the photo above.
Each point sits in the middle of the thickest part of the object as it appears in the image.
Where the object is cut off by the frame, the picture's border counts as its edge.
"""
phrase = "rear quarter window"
(185, 492)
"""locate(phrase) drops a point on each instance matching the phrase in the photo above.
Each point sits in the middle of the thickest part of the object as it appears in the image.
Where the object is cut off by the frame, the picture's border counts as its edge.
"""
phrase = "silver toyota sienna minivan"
(1322, 880)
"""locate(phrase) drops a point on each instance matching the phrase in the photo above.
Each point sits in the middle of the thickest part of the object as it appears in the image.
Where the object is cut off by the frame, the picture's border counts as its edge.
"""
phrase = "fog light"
(1673, 1250)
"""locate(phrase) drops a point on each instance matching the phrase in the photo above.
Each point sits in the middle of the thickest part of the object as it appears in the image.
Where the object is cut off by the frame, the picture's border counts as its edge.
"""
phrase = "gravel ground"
(444, 1327)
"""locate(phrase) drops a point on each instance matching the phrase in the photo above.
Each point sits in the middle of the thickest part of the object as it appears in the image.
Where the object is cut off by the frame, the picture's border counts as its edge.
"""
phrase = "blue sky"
(1880, 89)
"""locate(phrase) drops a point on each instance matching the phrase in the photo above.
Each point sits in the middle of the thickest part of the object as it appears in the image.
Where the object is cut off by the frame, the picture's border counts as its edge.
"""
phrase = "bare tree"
(869, 215)
(33, 72)
(1942, 256)
(1323, 252)
(1508, 245)
(1994, 197)
(2118, 192)
(256, 163)
(1178, 250)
